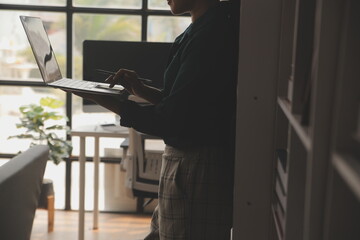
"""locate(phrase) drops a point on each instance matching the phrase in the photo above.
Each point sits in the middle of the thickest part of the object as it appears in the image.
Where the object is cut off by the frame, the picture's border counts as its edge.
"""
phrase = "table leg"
(82, 161)
(117, 182)
(96, 183)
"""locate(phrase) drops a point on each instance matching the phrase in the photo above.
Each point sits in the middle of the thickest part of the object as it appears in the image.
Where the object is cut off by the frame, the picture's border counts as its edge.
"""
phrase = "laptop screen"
(41, 47)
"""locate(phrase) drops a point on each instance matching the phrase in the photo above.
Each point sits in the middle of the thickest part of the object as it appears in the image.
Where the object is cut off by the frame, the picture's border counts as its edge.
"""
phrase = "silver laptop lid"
(41, 47)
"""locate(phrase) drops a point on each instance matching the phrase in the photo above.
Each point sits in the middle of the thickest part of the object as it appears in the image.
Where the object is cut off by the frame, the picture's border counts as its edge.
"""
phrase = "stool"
(47, 200)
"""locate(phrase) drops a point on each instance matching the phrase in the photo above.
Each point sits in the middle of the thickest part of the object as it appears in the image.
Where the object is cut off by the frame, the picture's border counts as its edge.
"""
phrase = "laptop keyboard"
(71, 83)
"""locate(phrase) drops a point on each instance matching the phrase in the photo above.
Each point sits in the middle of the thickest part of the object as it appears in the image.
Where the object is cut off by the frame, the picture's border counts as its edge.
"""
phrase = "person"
(194, 113)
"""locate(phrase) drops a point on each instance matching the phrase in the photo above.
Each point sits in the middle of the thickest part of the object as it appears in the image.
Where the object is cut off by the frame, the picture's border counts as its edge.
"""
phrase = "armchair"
(20, 186)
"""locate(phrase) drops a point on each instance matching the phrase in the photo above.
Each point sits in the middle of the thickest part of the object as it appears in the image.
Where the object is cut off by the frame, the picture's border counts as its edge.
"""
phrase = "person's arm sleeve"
(194, 101)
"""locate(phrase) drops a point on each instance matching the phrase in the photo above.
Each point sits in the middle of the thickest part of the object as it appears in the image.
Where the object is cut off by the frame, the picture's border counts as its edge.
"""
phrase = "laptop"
(49, 67)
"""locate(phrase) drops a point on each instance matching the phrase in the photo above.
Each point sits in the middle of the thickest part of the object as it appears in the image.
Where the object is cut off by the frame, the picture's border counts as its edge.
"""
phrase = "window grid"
(70, 10)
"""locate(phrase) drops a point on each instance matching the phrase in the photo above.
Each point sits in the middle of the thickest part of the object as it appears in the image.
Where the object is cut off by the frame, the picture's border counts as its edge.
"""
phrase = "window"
(16, 58)
(35, 2)
(68, 27)
(68, 23)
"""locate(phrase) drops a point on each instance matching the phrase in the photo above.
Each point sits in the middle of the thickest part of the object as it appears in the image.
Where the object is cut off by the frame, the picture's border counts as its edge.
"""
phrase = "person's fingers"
(114, 79)
(111, 80)
(127, 86)
(129, 74)
(119, 76)
(125, 74)
(127, 78)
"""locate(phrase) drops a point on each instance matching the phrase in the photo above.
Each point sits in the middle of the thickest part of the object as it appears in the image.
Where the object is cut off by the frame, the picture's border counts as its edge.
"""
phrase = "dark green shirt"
(198, 107)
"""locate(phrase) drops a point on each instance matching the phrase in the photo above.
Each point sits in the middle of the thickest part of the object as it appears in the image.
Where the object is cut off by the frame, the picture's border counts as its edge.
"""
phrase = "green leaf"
(51, 102)
(20, 125)
(23, 108)
(38, 109)
(22, 136)
(56, 117)
(56, 127)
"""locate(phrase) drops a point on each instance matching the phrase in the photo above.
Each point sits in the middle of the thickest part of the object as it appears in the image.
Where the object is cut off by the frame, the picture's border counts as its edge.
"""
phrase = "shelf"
(282, 177)
(349, 169)
(279, 230)
(357, 137)
(280, 194)
(281, 168)
(294, 120)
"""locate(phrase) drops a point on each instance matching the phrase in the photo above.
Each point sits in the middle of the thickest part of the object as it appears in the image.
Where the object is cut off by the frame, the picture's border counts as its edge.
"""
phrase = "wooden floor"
(111, 226)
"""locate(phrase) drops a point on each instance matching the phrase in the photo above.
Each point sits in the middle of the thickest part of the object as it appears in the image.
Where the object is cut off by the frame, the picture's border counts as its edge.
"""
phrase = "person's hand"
(128, 79)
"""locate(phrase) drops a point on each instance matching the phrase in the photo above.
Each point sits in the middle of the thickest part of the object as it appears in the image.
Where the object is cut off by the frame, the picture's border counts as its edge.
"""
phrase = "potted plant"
(37, 120)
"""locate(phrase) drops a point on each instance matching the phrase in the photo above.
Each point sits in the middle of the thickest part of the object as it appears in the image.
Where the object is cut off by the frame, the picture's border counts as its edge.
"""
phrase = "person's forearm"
(150, 94)
(114, 107)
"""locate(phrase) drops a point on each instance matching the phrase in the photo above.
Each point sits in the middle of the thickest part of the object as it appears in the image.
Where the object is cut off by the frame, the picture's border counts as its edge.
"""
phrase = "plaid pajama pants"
(195, 195)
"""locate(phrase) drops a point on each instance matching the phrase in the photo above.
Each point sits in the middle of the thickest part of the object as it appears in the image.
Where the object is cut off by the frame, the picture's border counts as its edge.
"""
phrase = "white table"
(97, 132)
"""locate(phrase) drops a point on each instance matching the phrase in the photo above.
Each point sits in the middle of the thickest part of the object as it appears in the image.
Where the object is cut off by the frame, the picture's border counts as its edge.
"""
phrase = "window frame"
(69, 10)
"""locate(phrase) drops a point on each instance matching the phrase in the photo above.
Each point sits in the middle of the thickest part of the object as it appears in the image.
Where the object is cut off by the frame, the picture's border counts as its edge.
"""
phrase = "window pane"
(166, 29)
(102, 27)
(11, 98)
(36, 2)
(159, 4)
(80, 118)
(99, 27)
(16, 58)
(133, 4)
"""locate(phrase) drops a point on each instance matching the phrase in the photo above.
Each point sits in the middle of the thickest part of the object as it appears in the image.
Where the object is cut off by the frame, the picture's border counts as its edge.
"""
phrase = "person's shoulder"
(212, 31)
(217, 30)
(219, 22)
